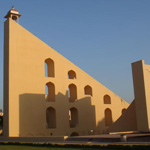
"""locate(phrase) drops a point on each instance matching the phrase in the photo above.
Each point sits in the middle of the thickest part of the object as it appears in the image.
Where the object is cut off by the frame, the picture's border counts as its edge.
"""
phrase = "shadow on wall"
(106, 122)
(40, 117)
(126, 122)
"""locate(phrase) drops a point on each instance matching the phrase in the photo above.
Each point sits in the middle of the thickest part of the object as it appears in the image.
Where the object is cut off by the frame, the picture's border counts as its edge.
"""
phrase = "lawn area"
(21, 147)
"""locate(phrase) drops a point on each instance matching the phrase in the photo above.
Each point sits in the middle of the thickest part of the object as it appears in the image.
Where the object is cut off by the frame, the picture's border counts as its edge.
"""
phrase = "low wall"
(32, 139)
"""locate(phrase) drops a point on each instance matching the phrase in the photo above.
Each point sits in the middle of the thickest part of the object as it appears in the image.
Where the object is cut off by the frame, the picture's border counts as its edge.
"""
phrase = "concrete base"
(123, 137)
(33, 139)
(105, 138)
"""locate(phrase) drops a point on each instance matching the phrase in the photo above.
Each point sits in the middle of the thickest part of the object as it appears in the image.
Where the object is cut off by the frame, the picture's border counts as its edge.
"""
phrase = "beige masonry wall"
(25, 101)
(141, 80)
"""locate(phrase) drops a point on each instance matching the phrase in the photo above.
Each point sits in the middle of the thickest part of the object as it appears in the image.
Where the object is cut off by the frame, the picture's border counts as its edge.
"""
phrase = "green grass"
(21, 147)
(49, 146)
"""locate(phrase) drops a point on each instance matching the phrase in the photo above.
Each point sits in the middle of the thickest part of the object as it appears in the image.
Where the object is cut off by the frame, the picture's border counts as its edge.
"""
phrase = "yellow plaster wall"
(141, 80)
(6, 80)
(147, 87)
(26, 96)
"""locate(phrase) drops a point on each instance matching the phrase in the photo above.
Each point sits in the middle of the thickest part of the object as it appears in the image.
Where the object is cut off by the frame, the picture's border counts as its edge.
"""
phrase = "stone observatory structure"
(47, 95)
(137, 116)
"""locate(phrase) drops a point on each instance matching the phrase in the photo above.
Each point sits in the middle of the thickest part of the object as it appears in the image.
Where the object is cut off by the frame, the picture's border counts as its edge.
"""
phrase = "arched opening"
(107, 99)
(71, 74)
(14, 17)
(74, 134)
(123, 110)
(108, 117)
(50, 91)
(88, 90)
(51, 117)
(49, 68)
(72, 92)
(73, 117)
(46, 89)
(51, 134)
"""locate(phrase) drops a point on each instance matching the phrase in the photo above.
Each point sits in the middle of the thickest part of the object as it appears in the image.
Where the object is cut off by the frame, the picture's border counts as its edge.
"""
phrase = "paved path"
(105, 139)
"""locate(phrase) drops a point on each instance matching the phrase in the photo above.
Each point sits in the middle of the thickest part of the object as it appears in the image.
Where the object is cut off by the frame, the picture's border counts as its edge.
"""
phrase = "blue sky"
(102, 37)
